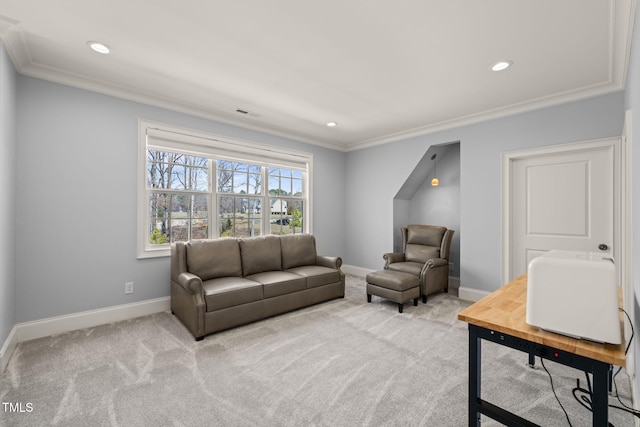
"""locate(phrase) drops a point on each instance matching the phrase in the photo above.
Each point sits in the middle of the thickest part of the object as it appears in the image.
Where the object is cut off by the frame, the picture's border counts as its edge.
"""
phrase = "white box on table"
(574, 293)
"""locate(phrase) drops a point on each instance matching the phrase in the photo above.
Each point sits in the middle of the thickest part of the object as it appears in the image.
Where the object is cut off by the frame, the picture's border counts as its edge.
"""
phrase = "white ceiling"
(382, 69)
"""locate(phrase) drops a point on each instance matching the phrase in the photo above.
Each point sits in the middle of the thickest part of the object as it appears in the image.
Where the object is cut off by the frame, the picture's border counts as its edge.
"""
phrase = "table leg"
(475, 368)
(532, 360)
(600, 402)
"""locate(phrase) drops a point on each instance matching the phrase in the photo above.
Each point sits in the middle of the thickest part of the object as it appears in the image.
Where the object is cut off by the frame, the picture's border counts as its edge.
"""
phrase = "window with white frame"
(197, 186)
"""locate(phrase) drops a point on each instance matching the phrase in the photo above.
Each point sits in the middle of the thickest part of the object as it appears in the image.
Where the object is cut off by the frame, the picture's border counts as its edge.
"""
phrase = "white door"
(561, 199)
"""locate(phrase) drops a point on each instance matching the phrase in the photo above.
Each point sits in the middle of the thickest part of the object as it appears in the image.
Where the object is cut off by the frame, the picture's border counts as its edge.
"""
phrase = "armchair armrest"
(329, 261)
(191, 283)
(433, 263)
(390, 258)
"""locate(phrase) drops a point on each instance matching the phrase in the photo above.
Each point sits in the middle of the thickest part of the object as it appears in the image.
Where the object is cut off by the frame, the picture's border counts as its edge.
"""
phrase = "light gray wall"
(76, 180)
(7, 195)
(374, 175)
(632, 102)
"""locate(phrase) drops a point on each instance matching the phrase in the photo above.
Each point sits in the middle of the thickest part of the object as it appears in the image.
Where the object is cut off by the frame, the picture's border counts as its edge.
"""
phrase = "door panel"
(556, 202)
(561, 200)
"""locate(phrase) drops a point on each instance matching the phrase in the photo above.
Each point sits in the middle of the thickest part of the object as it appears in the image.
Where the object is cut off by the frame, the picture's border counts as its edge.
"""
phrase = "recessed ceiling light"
(99, 47)
(332, 124)
(502, 65)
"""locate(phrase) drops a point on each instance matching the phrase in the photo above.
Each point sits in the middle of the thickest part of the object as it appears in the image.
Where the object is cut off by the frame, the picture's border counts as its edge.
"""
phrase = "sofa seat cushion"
(317, 275)
(230, 291)
(279, 282)
(407, 267)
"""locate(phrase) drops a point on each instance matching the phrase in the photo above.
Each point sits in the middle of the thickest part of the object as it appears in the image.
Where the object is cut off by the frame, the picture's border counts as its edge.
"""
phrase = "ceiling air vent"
(247, 113)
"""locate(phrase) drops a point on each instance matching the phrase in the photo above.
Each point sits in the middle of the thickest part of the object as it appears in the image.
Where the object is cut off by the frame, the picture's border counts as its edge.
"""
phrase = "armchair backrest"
(424, 242)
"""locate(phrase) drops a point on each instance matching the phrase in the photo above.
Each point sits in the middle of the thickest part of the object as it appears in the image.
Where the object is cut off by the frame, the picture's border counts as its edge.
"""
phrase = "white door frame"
(619, 227)
(626, 236)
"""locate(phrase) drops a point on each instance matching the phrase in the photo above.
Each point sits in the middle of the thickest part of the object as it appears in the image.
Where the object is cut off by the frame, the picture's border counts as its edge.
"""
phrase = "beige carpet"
(340, 363)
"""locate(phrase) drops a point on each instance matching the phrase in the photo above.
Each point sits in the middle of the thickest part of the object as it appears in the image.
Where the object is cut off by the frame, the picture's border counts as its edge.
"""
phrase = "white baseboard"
(86, 319)
(7, 349)
(469, 294)
(454, 282)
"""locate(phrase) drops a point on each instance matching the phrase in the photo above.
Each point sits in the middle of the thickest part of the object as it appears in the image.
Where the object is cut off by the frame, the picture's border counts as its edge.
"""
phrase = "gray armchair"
(425, 254)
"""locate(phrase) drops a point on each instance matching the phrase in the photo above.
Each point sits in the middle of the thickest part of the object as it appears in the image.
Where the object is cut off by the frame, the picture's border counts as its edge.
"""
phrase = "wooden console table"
(500, 317)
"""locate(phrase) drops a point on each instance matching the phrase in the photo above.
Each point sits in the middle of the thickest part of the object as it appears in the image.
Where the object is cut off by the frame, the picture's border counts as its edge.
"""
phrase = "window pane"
(240, 183)
(255, 207)
(200, 179)
(157, 175)
(297, 220)
(178, 177)
(158, 218)
(286, 216)
(285, 186)
(224, 165)
(279, 220)
(255, 169)
(255, 183)
(199, 161)
(225, 216)
(297, 174)
(179, 212)
(254, 217)
(200, 217)
(297, 187)
(224, 181)
(179, 159)
(240, 218)
(274, 185)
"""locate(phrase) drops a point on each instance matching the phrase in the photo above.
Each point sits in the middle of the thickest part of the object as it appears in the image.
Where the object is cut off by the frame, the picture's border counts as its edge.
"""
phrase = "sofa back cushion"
(210, 259)
(260, 254)
(298, 250)
(423, 242)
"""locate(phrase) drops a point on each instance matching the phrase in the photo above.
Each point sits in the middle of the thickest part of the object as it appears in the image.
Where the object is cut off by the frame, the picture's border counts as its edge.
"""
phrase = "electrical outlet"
(128, 288)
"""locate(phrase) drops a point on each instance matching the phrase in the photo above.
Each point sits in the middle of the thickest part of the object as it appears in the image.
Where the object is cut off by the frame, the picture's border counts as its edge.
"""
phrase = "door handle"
(603, 247)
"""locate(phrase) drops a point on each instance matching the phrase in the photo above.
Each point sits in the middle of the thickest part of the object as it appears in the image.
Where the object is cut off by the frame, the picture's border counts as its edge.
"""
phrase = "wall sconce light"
(435, 181)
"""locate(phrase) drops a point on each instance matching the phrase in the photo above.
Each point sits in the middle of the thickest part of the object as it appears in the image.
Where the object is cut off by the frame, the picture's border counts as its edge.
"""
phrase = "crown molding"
(510, 110)
(123, 92)
(12, 35)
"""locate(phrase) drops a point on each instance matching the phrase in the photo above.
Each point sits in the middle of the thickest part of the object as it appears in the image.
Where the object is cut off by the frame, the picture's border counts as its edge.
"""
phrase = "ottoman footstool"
(395, 286)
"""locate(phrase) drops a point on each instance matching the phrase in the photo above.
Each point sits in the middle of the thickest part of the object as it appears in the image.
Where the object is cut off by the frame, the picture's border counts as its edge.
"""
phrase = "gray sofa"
(221, 283)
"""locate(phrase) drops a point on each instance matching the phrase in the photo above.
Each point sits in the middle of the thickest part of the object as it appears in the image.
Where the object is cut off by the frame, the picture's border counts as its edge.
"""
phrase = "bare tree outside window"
(180, 191)
(239, 215)
(177, 213)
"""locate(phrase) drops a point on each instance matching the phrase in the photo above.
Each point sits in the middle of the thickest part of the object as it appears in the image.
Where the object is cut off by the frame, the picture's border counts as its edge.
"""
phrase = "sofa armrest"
(329, 261)
(191, 283)
(390, 258)
(433, 263)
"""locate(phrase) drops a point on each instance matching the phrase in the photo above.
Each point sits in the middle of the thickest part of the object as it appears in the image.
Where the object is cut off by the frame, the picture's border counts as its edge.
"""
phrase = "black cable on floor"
(585, 398)
(554, 392)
